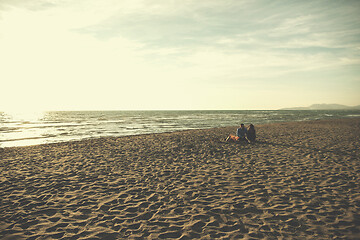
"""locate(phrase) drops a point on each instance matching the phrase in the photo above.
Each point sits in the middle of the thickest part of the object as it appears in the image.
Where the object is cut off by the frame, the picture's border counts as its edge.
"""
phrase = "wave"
(9, 129)
(26, 138)
(62, 126)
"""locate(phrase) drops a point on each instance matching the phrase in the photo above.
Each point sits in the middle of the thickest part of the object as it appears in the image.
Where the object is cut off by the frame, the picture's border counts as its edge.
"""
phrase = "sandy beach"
(299, 181)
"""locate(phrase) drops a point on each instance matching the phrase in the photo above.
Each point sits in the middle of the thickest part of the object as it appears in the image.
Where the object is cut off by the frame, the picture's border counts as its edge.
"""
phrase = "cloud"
(145, 48)
(244, 24)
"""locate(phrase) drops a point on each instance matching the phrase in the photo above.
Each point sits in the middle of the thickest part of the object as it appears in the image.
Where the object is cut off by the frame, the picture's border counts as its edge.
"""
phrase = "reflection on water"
(29, 128)
(17, 128)
(24, 115)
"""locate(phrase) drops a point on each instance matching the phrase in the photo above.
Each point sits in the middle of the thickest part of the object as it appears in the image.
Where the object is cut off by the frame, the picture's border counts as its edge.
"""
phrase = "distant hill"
(325, 107)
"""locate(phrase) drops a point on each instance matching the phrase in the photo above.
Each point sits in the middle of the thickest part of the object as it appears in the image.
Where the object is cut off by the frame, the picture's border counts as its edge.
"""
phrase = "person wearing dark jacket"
(251, 133)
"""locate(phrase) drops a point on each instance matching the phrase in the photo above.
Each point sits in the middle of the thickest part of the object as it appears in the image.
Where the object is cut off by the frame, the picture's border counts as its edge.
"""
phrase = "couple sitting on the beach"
(243, 134)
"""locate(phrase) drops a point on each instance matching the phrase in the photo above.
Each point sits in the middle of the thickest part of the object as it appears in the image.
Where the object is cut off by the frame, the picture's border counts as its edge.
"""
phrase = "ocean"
(49, 127)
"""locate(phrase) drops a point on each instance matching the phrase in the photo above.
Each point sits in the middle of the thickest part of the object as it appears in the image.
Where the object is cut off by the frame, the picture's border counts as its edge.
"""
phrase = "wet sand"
(299, 181)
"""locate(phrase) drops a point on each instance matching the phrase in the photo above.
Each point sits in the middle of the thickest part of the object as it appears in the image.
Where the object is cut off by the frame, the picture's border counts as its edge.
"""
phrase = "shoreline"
(300, 181)
(52, 127)
(225, 128)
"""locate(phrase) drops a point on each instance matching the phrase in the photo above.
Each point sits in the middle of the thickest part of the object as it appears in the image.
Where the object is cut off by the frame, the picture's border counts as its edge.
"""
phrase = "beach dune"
(299, 181)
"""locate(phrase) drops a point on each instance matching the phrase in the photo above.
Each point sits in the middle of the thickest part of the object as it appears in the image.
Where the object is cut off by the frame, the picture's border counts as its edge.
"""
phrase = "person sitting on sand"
(240, 135)
(241, 132)
(251, 133)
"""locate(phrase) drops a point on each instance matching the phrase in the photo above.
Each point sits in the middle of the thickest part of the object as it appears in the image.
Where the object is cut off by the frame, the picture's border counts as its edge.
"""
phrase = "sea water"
(22, 129)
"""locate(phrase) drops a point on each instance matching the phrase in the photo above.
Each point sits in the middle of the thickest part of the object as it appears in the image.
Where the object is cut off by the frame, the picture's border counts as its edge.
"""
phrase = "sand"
(299, 181)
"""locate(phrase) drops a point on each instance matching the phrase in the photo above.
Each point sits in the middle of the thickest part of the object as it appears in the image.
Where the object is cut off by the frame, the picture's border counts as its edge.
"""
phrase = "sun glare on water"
(25, 115)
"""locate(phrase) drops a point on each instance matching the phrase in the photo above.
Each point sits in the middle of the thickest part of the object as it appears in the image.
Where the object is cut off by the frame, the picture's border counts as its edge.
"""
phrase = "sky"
(178, 54)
